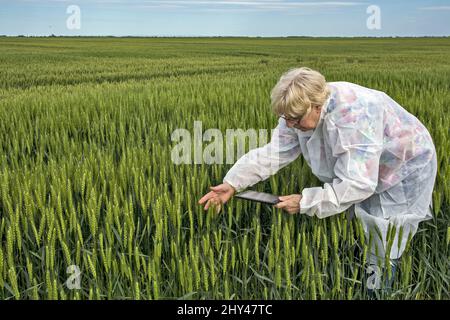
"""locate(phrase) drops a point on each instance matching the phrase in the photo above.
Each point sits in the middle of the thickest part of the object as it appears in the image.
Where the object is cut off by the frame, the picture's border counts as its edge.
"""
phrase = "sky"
(265, 18)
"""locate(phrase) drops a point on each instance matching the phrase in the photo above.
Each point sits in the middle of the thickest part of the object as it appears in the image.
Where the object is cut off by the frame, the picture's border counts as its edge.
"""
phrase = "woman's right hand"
(217, 196)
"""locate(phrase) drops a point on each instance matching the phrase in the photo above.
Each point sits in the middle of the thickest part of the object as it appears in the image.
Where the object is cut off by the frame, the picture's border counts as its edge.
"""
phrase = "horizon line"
(215, 36)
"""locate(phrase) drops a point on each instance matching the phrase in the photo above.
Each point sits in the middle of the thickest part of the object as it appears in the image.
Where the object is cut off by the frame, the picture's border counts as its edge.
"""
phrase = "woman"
(374, 157)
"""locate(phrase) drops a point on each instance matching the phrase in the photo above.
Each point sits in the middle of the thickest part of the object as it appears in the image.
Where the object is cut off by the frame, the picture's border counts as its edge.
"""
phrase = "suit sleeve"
(260, 163)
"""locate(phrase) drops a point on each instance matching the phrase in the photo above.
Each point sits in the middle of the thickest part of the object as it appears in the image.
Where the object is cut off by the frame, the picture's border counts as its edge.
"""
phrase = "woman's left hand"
(290, 203)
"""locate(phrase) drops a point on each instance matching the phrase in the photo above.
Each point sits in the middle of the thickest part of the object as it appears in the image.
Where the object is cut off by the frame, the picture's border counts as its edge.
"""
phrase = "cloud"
(160, 6)
(279, 3)
(436, 8)
(248, 5)
(238, 6)
(239, 3)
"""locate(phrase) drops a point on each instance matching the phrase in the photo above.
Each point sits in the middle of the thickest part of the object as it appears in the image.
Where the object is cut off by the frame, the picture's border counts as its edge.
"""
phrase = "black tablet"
(258, 197)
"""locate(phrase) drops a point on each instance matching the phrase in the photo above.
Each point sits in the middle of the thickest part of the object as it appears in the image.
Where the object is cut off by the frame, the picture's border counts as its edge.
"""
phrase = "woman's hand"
(290, 203)
(217, 196)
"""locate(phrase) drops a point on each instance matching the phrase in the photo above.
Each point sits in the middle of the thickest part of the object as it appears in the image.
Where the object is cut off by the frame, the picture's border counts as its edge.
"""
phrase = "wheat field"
(87, 182)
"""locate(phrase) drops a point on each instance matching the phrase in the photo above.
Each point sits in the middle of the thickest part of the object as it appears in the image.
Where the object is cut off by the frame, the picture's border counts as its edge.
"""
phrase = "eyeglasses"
(290, 119)
(297, 120)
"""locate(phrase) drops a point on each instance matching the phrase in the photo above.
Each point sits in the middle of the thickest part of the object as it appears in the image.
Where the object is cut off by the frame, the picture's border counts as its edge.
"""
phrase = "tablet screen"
(258, 197)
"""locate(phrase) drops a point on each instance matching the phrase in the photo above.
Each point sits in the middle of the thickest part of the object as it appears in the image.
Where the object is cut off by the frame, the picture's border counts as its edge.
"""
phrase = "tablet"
(258, 197)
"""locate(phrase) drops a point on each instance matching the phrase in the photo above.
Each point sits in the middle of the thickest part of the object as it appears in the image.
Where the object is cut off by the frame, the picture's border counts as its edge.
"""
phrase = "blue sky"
(226, 17)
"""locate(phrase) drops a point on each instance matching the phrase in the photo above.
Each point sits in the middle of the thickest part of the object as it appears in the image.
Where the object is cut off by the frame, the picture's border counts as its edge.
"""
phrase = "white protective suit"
(371, 154)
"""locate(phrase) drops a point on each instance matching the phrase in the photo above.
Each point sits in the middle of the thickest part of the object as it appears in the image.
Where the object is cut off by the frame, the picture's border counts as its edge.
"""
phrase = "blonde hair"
(297, 91)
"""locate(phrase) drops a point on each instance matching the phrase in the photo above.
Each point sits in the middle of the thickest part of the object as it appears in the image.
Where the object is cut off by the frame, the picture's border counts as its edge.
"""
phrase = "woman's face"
(307, 122)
